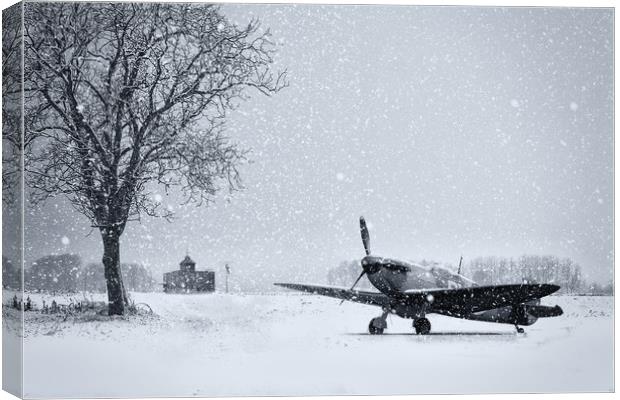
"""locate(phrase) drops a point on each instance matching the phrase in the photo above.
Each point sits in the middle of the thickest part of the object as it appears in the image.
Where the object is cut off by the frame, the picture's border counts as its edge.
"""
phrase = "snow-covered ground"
(290, 344)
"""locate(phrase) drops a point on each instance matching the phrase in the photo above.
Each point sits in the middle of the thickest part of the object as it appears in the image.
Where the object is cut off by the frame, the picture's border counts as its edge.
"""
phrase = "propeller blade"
(356, 281)
(366, 242)
(365, 235)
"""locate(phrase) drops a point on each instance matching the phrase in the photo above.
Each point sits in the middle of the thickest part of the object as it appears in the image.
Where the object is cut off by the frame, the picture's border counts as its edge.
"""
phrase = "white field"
(290, 344)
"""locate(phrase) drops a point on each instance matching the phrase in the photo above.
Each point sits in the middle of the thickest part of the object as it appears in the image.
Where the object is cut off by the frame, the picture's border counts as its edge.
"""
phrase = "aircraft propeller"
(366, 242)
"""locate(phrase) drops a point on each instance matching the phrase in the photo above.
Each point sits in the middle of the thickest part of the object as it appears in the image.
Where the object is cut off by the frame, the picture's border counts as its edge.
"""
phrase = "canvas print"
(298, 199)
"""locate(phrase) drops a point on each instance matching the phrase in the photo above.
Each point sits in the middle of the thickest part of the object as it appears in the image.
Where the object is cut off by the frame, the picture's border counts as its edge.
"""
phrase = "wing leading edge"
(358, 296)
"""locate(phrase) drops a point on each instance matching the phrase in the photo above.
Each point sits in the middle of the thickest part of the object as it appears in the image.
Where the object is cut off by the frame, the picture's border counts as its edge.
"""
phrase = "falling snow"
(473, 131)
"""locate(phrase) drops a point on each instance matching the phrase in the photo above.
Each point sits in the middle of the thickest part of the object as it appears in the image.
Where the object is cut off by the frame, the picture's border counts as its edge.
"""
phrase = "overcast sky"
(473, 131)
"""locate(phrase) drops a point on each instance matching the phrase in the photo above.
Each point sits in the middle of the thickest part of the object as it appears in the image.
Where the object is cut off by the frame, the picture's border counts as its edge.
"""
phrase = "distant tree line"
(54, 273)
(601, 290)
(136, 278)
(531, 268)
(64, 273)
(492, 270)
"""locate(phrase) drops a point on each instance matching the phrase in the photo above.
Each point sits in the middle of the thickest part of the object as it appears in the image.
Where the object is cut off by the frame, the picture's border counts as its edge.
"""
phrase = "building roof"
(187, 273)
(187, 261)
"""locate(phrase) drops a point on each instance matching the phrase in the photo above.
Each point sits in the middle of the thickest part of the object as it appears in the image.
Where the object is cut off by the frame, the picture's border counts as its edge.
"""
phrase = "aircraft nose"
(370, 264)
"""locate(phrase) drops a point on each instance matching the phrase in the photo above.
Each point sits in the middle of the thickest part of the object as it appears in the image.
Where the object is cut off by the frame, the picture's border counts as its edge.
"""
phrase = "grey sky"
(474, 131)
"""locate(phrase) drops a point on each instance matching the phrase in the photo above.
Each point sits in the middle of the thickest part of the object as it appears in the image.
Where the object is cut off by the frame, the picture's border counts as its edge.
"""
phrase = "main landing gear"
(519, 330)
(422, 326)
(377, 325)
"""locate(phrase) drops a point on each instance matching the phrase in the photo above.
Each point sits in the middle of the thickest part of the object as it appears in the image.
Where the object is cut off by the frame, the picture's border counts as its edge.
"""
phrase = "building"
(188, 280)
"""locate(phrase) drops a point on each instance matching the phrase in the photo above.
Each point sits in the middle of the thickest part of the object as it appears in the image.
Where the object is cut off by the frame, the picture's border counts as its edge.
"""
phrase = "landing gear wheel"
(376, 326)
(520, 330)
(422, 326)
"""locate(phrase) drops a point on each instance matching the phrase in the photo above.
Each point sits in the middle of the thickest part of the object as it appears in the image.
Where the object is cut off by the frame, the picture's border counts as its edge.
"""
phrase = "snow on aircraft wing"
(359, 296)
(464, 301)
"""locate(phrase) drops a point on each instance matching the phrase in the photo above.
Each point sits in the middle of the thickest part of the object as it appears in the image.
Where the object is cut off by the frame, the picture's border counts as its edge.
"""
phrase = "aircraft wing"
(464, 301)
(358, 296)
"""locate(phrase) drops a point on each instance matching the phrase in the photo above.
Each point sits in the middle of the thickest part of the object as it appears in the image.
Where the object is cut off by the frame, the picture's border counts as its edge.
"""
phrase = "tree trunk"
(112, 272)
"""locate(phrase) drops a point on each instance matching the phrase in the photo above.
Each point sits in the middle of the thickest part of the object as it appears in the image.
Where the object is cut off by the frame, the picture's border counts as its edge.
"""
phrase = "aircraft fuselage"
(394, 276)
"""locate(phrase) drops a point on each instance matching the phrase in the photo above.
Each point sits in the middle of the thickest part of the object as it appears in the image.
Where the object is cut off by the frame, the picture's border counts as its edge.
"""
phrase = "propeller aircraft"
(413, 291)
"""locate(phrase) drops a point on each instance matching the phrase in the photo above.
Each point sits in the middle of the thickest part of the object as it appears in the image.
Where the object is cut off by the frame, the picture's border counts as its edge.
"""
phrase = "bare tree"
(11, 102)
(133, 96)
